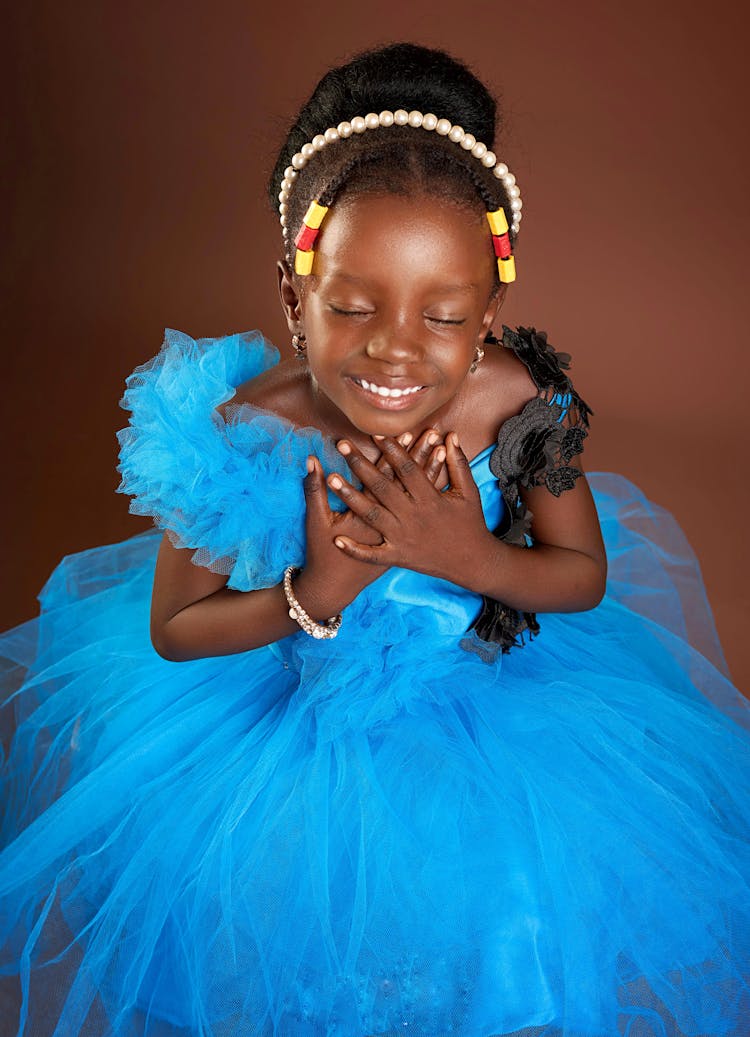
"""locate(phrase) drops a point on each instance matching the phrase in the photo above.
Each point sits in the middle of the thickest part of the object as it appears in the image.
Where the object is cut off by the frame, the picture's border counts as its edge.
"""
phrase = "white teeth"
(382, 390)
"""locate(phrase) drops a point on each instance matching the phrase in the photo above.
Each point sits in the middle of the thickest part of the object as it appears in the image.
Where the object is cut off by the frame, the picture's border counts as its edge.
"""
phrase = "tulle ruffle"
(230, 489)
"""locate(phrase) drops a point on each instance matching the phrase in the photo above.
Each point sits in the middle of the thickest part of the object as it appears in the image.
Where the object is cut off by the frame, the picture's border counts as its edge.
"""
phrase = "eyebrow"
(344, 276)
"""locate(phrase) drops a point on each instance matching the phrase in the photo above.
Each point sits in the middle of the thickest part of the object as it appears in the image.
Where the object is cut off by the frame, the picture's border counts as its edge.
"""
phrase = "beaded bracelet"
(319, 631)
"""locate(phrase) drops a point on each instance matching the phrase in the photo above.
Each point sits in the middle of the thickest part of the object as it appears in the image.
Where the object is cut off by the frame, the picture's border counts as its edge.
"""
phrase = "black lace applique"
(534, 448)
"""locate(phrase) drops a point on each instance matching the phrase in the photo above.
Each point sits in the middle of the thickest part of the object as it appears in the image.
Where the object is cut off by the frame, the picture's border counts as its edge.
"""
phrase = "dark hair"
(400, 159)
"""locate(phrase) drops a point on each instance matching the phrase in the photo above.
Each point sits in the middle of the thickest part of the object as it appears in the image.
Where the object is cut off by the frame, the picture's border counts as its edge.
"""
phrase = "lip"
(388, 402)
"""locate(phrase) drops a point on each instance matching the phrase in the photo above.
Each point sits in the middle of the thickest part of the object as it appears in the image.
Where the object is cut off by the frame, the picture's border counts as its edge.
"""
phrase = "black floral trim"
(534, 448)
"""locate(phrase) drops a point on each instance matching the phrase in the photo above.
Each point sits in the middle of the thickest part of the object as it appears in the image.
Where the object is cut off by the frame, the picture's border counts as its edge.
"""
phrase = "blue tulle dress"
(381, 834)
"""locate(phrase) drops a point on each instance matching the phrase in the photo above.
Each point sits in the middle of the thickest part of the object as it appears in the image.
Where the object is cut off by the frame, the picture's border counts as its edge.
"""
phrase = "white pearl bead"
(468, 142)
(443, 127)
(500, 170)
(489, 159)
(289, 173)
(299, 161)
(308, 150)
(429, 121)
(479, 150)
(415, 119)
(345, 129)
(515, 204)
(282, 220)
(509, 180)
(386, 118)
(331, 135)
(372, 121)
(283, 196)
(318, 142)
(358, 124)
(513, 192)
(456, 134)
(283, 208)
(400, 117)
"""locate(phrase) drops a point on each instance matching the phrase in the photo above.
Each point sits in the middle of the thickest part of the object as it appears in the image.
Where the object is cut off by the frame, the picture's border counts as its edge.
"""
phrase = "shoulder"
(282, 390)
(500, 389)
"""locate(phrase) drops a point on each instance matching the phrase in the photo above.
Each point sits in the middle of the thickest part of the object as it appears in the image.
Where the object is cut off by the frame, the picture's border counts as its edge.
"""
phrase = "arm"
(445, 535)
(194, 614)
(565, 570)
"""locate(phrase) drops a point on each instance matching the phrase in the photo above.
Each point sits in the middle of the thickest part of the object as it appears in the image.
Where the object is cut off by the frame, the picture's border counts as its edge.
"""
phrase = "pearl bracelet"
(319, 631)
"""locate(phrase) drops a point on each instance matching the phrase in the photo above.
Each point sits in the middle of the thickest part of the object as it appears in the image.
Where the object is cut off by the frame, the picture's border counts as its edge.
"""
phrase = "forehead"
(375, 237)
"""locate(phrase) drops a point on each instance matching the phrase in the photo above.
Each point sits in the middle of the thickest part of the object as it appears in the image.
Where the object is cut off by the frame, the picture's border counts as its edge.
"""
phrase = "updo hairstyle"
(397, 159)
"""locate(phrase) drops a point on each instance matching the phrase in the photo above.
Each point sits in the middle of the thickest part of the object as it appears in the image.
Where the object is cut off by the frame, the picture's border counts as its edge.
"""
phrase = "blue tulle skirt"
(401, 839)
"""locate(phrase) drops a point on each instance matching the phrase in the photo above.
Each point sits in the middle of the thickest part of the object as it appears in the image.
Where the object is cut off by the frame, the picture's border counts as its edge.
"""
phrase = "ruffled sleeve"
(231, 489)
(534, 448)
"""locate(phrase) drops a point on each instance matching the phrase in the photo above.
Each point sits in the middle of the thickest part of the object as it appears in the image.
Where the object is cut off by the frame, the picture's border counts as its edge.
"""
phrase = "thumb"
(459, 473)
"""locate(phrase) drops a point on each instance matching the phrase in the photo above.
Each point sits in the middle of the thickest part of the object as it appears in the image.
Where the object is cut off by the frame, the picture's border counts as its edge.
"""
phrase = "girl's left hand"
(423, 528)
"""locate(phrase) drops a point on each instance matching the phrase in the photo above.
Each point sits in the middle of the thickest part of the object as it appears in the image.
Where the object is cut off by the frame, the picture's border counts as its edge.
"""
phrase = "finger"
(424, 446)
(316, 498)
(362, 552)
(364, 506)
(376, 483)
(382, 463)
(436, 465)
(459, 471)
(408, 472)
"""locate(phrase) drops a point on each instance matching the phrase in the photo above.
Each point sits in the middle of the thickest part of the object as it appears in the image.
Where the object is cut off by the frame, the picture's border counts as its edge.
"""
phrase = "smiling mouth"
(383, 392)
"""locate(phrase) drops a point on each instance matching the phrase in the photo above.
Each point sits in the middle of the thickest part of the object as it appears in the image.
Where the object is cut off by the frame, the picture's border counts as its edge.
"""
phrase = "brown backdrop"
(138, 143)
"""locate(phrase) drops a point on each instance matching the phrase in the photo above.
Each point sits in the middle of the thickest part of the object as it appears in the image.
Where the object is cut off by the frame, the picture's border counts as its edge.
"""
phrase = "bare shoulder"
(282, 390)
(499, 389)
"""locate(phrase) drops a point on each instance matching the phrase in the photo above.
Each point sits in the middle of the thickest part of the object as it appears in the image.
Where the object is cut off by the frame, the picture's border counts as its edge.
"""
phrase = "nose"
(394, 345)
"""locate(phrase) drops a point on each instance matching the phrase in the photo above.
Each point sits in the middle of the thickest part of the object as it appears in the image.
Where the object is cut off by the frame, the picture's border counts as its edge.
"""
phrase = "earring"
(478, 357)
(299, 346)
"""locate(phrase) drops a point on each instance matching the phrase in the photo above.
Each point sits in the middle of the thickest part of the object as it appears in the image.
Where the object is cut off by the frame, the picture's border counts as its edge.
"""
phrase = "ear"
(290, 300)
(493, 308)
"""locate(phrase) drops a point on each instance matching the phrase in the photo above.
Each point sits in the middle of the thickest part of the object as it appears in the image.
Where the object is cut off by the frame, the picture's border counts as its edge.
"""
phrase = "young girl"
(308, 763)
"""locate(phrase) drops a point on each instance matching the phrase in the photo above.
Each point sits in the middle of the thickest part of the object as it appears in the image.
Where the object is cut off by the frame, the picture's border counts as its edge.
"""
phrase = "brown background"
(137, 147)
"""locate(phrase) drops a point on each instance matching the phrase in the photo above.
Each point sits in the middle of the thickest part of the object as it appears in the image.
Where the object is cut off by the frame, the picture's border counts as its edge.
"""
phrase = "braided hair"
(399, 159)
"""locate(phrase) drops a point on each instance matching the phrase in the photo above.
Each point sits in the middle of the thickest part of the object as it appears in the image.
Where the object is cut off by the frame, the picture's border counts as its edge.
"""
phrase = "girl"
(377, 795)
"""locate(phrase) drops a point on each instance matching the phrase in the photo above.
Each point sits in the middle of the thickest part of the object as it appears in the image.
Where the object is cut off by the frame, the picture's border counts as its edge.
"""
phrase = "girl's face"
(401, 295)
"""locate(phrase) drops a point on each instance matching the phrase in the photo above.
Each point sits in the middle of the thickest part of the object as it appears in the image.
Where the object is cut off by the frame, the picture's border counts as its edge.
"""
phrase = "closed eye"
(350, 313)
(440, 320)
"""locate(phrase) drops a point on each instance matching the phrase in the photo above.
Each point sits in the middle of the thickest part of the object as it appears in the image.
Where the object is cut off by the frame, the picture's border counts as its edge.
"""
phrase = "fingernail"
(335, 482)
(339, 542)
(405, 439)
(310, 465)
(454, 438)
(440, 455)
(344, 448)
(378, 437)
(433, 438)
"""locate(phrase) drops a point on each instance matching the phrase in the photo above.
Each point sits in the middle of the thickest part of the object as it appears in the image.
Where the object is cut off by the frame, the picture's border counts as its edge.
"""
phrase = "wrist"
(473, 565)
(325, 630)
(317, 595)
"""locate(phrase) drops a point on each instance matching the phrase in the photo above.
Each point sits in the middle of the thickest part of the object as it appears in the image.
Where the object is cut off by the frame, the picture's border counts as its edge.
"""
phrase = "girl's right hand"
(330, 580)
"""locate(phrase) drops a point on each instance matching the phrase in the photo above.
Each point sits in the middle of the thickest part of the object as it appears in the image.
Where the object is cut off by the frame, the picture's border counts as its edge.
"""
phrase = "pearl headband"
(429, 122)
